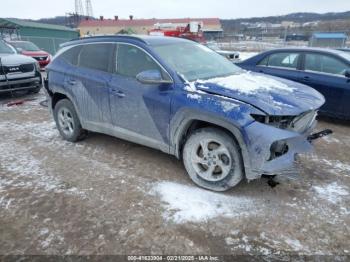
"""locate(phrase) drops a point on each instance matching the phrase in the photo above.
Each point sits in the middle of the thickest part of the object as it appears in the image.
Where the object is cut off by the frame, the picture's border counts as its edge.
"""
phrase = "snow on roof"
(147, 22)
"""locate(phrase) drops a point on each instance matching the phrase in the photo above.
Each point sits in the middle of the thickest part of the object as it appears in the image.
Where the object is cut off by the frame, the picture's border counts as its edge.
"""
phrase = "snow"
(228, 106)
(332, 192)
(248, 83)
(192, 204)
(245, 55)
(194, 96)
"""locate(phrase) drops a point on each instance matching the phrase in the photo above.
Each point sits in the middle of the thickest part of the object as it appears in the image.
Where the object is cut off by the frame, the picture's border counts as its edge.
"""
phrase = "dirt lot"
(107, 196)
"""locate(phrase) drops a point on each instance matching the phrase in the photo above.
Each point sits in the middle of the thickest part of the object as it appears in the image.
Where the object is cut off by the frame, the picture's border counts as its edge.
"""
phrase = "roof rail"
(130, 37)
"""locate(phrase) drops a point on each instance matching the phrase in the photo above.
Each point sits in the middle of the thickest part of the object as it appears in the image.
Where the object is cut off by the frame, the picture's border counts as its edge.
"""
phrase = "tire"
(67, 121)
(212, 159)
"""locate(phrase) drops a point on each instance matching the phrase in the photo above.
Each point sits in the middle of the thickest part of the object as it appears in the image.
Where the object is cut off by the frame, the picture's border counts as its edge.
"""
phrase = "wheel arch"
(188, 122)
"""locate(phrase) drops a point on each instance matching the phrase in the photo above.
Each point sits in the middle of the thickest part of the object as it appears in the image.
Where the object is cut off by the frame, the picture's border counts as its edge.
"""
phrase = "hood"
(14, 59)
(273, 95)
(35, 53)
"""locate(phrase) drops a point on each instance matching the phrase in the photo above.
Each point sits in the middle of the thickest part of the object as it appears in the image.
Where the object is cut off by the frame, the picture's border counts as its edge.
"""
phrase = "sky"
(35, 9)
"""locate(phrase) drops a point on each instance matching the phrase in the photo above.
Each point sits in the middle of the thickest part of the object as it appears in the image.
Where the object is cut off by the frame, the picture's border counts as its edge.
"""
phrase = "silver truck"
(18, 72)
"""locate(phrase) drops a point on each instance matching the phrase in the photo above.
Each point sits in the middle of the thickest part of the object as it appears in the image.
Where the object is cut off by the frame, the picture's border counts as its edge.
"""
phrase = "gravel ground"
(108, 196)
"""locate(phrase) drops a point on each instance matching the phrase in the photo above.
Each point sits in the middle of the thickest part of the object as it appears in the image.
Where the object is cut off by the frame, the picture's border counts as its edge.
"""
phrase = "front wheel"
(212, 159)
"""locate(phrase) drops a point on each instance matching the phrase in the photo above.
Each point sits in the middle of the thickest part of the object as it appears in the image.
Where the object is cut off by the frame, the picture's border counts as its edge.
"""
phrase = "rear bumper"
(20, 84)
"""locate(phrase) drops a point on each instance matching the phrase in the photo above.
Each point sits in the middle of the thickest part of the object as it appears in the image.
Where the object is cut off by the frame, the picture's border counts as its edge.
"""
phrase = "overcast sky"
(35, 9)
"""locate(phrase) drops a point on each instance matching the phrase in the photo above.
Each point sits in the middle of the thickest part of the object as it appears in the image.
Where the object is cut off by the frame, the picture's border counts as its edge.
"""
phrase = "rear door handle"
(117, 93)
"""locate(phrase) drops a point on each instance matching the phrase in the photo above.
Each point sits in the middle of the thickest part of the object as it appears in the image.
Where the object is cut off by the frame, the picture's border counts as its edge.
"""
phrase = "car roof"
(145, 39)
(312, 49)
(17, 41)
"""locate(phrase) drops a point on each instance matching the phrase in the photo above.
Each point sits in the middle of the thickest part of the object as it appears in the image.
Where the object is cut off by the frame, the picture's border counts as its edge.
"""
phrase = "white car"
(230, 55)
(18, 72)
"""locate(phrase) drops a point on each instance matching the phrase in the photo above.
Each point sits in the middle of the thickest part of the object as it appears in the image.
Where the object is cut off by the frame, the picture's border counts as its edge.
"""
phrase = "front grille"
(40, 58)
(26, 68)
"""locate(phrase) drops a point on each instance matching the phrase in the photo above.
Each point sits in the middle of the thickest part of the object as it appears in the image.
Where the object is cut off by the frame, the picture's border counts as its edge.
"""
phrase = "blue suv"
(184, 99)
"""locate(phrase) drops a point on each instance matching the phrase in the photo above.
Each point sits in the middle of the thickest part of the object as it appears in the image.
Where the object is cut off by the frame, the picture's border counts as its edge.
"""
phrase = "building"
(334, 40)
(211, 26)
(46, 36)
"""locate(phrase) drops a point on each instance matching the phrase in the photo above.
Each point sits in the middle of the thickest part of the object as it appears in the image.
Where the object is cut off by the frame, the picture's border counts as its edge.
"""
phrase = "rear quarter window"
(71, 55)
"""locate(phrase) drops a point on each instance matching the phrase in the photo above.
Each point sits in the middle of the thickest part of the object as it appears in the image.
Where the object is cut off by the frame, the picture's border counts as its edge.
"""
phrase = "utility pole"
(79, 8)
(88, 5)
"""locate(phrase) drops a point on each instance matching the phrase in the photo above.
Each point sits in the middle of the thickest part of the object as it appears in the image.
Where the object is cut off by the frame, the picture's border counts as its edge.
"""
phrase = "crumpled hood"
(14, 59)
(273, 95)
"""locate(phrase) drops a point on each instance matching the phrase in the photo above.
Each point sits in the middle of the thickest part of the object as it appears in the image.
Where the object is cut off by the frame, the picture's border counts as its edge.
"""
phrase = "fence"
(49, 44)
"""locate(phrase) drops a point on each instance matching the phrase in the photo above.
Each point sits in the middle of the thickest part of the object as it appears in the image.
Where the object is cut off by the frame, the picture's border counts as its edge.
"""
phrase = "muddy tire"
(212, 159)
(67, 121)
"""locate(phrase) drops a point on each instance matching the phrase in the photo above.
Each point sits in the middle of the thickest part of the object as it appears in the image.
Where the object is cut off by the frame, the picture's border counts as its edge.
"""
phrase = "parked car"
(326, 70)
(345, 49)
(18, 72)
(230, 55)
(186, 100)
(30, 49)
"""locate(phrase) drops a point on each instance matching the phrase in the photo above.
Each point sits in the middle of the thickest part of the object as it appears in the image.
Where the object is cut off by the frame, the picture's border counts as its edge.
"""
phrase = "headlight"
(37, 66)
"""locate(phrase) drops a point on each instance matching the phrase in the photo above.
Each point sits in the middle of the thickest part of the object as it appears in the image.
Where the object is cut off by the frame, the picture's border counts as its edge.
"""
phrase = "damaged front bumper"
(275, 151)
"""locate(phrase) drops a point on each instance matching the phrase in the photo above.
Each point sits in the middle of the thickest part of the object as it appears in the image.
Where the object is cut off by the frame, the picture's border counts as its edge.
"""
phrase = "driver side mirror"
(347, 73)
(19, 49)
(152, 77)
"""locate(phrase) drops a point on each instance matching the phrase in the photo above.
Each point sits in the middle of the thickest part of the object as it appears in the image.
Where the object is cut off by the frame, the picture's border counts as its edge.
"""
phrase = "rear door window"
(324, 64)
(96, 56)
(284, 60)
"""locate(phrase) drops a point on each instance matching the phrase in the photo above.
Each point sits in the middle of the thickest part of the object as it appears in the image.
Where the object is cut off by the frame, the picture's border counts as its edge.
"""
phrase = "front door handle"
(306, 78)
(120, 94)
(72, 82)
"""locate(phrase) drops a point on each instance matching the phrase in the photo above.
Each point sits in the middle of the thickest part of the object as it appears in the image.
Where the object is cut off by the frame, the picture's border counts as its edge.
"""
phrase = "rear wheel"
(212, 159)
(67, 121)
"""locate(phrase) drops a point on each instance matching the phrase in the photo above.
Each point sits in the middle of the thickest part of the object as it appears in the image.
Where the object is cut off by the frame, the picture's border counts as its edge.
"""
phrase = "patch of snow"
(228, 106)
(185, 203)
(248, 83)
(194, 96)
(294, 244)
(332, 192)
(246, 55)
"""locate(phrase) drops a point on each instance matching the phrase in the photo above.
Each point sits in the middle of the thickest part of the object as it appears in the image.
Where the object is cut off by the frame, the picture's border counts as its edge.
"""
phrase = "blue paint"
(157, 115)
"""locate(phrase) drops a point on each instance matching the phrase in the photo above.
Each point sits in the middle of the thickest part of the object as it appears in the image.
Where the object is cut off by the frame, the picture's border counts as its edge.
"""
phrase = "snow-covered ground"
(107, 196)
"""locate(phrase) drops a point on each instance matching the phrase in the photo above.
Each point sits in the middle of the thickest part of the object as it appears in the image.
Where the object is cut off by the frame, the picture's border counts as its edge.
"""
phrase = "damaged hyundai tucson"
(184, 99)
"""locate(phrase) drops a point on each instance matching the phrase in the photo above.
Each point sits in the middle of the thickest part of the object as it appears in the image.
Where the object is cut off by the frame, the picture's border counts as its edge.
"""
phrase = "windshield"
(195, 61)
(5, 49)
(26, 46)
(345, 54)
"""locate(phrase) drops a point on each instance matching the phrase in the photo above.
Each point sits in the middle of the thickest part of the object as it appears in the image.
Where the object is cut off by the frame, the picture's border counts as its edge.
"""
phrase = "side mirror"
(152, 77)
(347, 73)
(19, 49)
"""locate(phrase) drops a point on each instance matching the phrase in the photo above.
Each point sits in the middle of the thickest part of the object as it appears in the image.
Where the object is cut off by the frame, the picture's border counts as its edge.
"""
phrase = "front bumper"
(261, 140)
(20, 84)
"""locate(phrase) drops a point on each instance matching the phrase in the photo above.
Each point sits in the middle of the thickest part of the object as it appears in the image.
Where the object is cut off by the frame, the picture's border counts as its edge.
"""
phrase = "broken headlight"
(298, 123)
